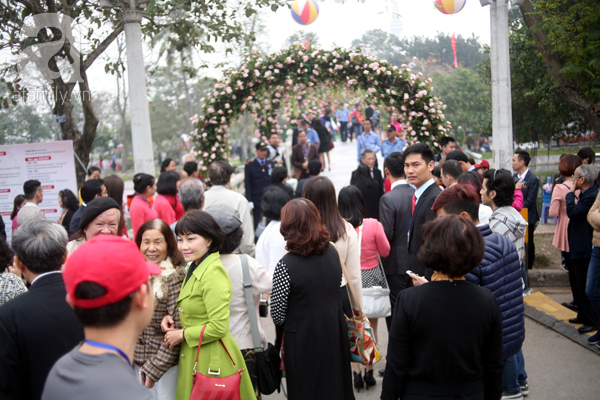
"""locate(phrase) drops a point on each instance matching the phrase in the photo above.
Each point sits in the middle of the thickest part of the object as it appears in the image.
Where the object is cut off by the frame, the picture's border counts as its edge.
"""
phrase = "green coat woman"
(204, 301)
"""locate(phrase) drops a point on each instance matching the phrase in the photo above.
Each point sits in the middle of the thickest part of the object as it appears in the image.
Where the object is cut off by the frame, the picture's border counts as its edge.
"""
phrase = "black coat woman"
(445, 341)
(306, 302)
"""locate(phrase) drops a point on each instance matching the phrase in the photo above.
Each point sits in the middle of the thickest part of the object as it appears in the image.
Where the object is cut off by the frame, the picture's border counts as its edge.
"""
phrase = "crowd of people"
(165, 308)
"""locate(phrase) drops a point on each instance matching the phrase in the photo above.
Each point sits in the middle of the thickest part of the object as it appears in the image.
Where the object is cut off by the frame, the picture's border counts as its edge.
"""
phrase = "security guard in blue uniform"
(258, 177)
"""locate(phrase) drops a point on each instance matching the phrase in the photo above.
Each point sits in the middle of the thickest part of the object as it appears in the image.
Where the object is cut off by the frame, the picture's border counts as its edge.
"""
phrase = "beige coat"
(594, 220)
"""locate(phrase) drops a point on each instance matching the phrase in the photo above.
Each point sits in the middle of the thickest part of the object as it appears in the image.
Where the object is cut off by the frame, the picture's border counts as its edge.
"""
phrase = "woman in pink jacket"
(558, 208)
(372, 242)
(167, 206)
(140, 209)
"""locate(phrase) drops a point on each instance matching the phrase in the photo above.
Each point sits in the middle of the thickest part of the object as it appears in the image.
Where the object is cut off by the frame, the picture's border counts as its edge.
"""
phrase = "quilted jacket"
(500, 273)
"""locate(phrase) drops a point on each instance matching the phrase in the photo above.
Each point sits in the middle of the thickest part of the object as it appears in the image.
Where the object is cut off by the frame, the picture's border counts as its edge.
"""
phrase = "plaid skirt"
(373, 277)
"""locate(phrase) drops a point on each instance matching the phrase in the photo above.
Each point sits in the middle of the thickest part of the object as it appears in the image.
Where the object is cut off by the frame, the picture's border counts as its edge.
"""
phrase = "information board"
(51, 163)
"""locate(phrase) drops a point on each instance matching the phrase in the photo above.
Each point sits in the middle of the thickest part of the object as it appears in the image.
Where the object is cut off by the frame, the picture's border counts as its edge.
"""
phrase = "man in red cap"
(108, 286)
(482, 167)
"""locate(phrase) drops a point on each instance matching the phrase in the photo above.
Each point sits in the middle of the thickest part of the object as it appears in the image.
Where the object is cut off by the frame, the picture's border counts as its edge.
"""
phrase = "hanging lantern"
(305, 12)
(449, 6)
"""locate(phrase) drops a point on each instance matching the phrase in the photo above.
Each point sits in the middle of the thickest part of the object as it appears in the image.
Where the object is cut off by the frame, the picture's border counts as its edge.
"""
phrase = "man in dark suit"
(394, 215)
(314, 169)
(369, 158)
(418, 167)
(302, 154)
(257, 177)
(520, 165)
(367, 178)
(37, 327)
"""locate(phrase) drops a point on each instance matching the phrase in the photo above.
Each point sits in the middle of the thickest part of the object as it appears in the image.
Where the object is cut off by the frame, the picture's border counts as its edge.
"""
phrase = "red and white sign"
(51, 163)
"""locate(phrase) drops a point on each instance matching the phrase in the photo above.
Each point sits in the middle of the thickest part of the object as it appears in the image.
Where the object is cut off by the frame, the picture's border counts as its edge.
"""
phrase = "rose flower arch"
(263, 85)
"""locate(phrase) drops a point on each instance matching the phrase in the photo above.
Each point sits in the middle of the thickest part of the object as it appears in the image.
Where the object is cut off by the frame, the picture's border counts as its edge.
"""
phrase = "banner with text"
(51, 163)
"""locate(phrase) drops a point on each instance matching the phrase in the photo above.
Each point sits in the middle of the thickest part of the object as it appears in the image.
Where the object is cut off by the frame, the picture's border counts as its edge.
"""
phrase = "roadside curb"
(549, 313)
(548, 278)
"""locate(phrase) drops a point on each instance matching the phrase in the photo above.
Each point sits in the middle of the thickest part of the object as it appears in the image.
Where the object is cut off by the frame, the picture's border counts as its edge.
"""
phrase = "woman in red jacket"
(140, 209)
(166, 205)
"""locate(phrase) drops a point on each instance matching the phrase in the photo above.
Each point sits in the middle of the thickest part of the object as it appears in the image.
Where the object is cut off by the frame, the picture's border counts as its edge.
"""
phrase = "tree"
(436, 51)
(566, 33)
(99, 27)
(301, 37)
(25, 124)
(467, 99)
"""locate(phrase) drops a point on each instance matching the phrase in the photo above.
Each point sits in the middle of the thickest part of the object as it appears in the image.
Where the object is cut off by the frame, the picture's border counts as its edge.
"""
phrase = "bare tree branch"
(89, 60)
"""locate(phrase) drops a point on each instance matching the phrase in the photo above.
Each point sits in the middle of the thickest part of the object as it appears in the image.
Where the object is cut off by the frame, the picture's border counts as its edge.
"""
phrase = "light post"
(502, 131)
(141, 131)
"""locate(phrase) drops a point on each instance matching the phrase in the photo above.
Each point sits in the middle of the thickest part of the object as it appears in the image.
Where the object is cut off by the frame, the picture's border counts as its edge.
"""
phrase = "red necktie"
(414, 201)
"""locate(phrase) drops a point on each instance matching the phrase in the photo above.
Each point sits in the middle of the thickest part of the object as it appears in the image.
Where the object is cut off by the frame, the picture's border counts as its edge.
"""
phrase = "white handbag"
(376, 299)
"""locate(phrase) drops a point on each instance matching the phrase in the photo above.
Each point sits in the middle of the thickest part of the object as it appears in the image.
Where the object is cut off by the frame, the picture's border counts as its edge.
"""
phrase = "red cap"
(112, 262)
(483, 163)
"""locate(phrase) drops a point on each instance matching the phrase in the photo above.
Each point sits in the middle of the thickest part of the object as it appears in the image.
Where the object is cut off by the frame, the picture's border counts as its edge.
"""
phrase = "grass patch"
(542, 260)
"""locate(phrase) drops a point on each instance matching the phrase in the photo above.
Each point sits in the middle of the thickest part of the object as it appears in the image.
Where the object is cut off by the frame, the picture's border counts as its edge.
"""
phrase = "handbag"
(267, 363)
(376, 299)
(363, 347)
(331, 145)
(213, 387)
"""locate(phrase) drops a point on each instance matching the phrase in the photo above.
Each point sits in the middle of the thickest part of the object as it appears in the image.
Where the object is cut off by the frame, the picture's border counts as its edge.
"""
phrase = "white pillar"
(141, 132)
(502, 132)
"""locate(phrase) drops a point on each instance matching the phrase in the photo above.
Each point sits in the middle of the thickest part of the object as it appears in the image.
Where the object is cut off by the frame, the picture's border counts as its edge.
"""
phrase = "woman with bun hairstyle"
(140, 209)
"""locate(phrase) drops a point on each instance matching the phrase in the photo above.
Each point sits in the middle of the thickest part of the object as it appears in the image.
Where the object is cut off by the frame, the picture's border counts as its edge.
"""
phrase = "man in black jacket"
(37, 327)
(418, 167)
(580, 234)
(394, 214)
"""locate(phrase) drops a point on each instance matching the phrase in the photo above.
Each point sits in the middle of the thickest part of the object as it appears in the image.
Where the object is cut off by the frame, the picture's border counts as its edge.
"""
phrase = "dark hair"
(30, 188)
(317, 123)
(278, 174)
(587, 153)
(394, 162)
(471, 178)
(101, 317)
(6, 255)
(457, 155)
(458, 198)
(568, 164)
(141, 182)
(273, 200)
(303, 229)
(161, 226)
(167, 183)
(90, 189)
(503, 183)
(196, 222)
(115, 186)
(190, 167)
(220, 172)
(363, 176)
(320, 191)
(19, 199)
(452, 168)
(422, 149)
(69, 200)
(472, 161)
(445, 140)
(436, 172)
(314, 167)
(91, 170)
(232, 241)
(367, 151)
(524, 156)
(165, 164)
(451, 245)
(352, 205)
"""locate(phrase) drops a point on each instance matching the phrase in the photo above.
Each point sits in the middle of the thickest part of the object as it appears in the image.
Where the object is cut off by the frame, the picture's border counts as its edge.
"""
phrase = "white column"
(141, 132)
(501, 98)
